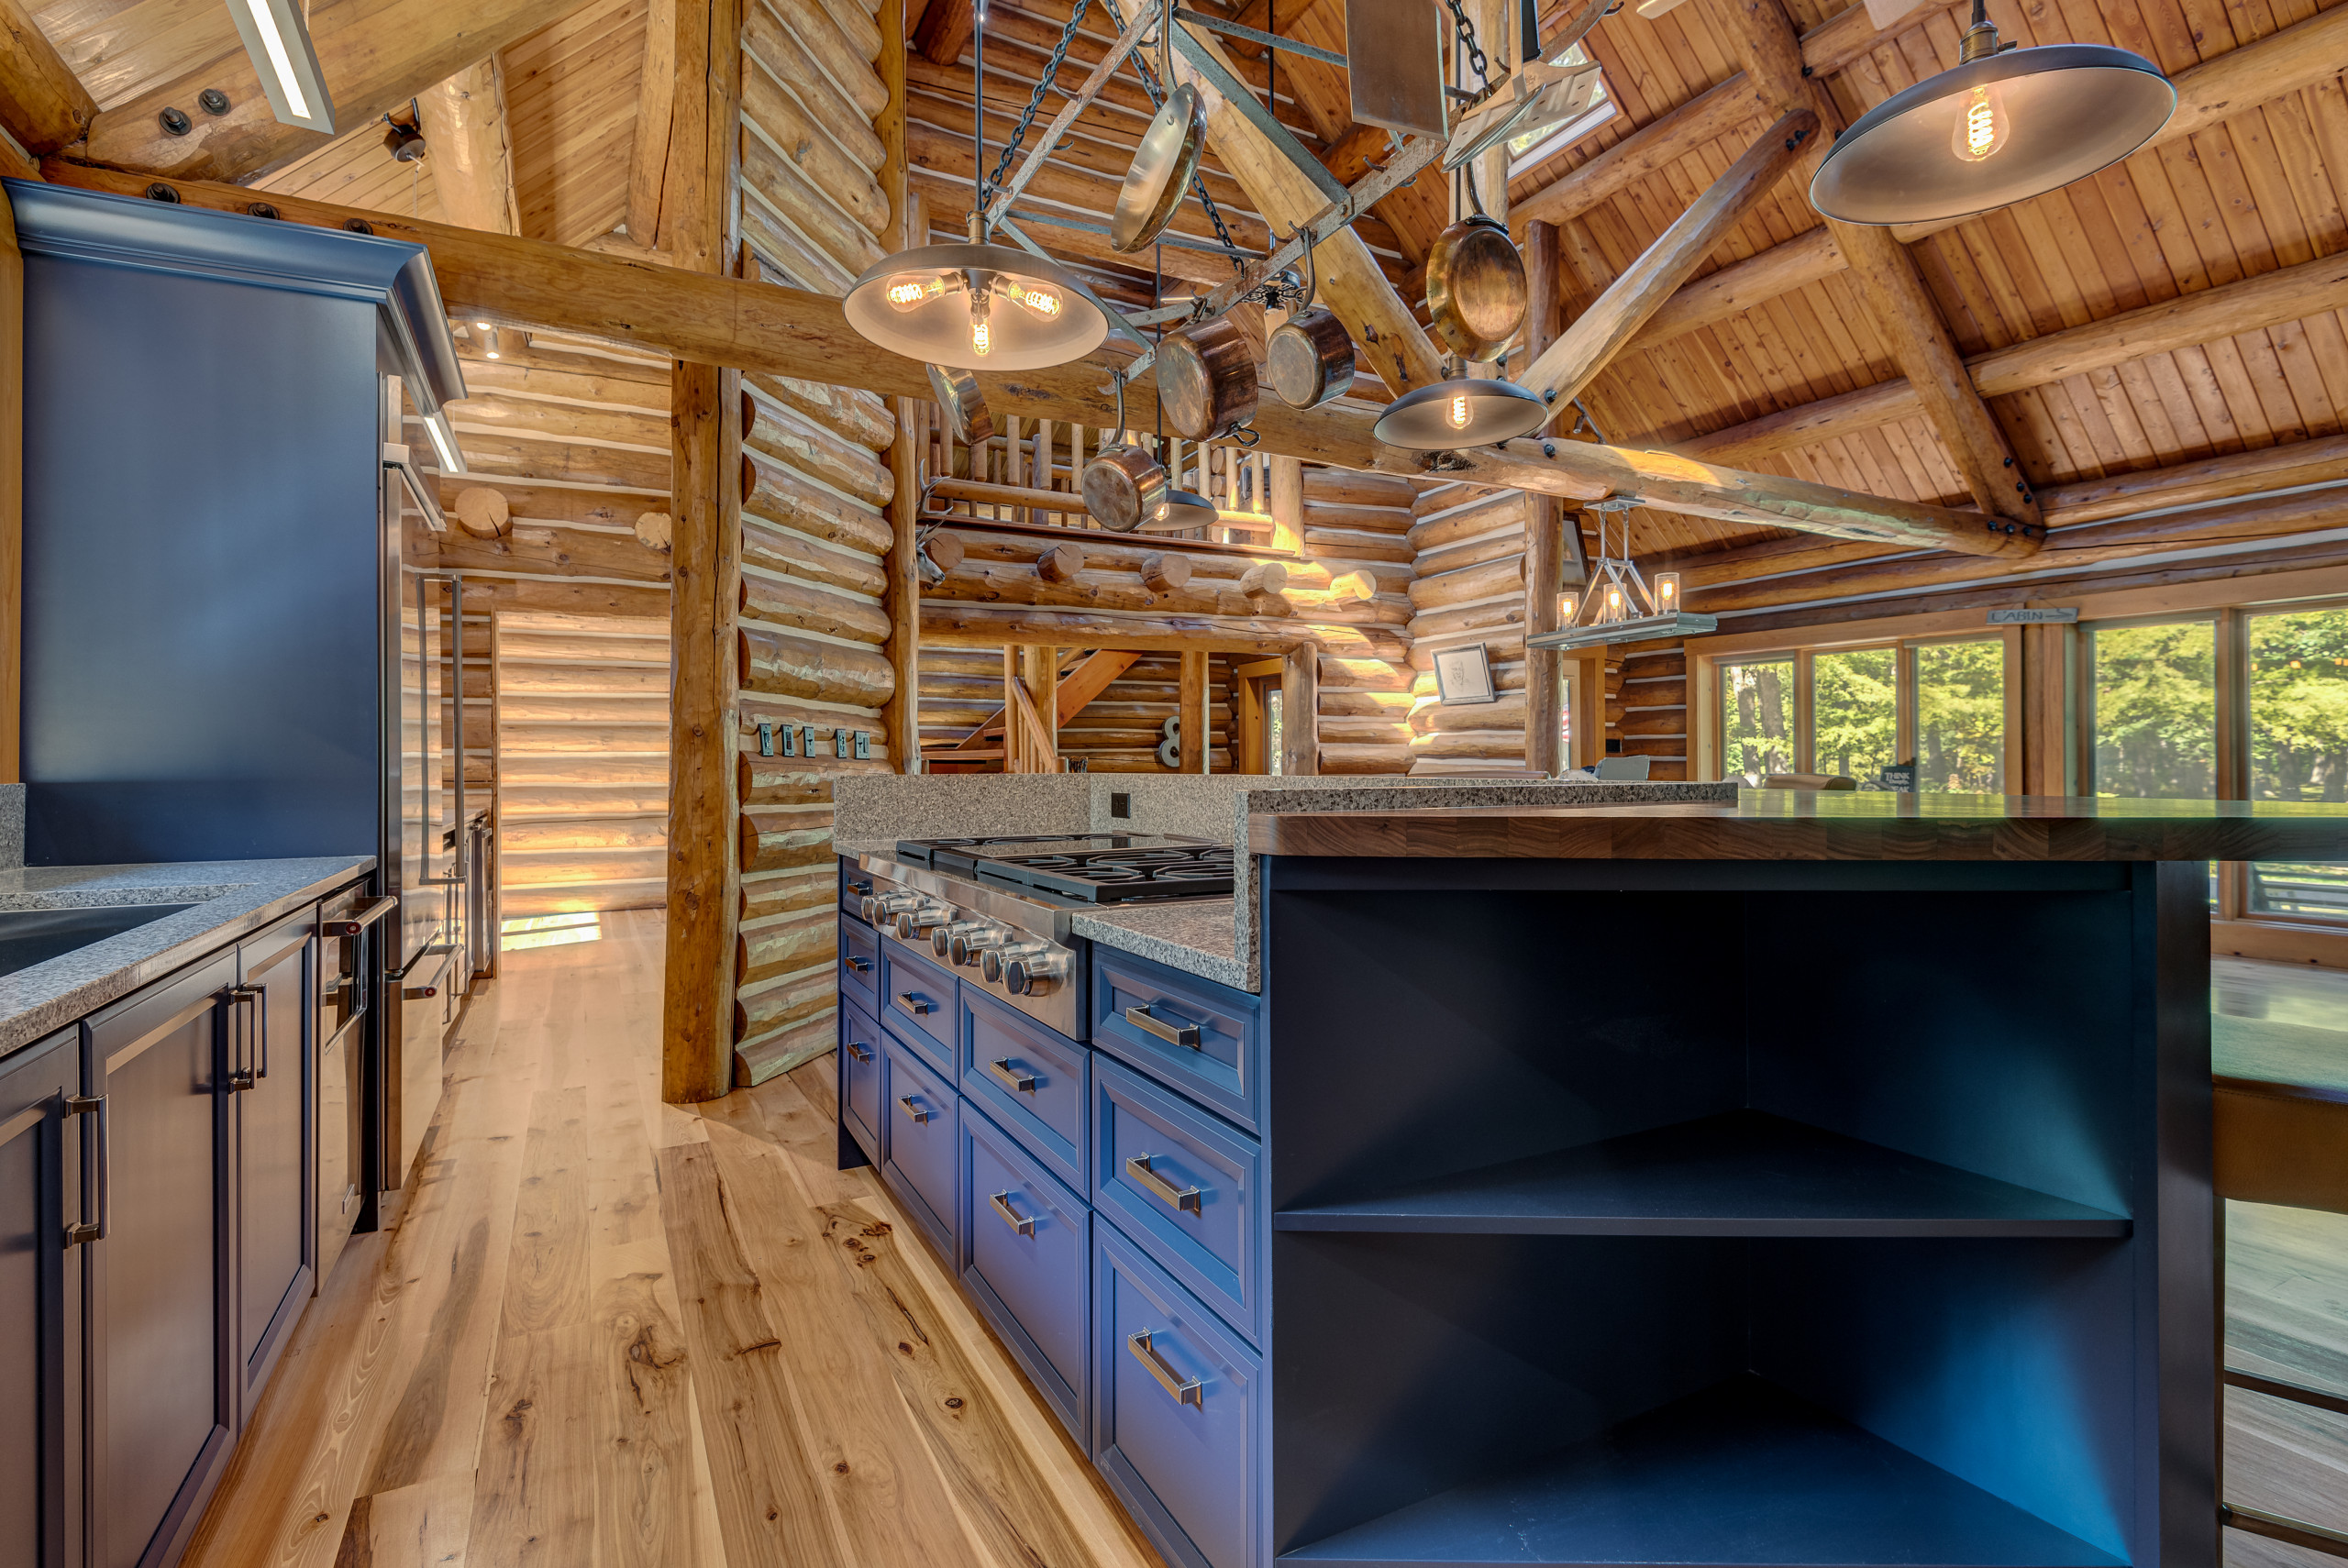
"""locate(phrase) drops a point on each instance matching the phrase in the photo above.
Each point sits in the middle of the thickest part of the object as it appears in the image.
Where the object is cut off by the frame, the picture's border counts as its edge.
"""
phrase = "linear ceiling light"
(278, 39)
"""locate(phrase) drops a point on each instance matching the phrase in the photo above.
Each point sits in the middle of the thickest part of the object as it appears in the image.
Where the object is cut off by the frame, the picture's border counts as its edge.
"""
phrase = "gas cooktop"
(1099, 868)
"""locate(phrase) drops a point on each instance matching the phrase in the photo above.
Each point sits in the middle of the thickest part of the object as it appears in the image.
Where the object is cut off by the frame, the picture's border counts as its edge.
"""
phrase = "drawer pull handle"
(863, 886)
(861, 1051)
(1186, 1390)
(1138, 1167)
(914, 1107)
(1023, 1224)
(1148, 1023)
(1012, 1078)
(916, 1003)
(858, 965)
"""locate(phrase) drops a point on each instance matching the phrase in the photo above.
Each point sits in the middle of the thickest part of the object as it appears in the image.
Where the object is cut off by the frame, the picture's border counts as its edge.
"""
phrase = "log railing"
(1027, 746)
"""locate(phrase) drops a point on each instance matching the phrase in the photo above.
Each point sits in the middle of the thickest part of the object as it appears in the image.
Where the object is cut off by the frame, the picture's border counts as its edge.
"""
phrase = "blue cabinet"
(1202, 1039)
(918, 1152)
(1034, 1080)
(859, 963)
(1186, 1186)
(860, 1077)
(917, 1002)
(41, 1388)
(1026, 1260)
(1179, 1414)
(275, 1143)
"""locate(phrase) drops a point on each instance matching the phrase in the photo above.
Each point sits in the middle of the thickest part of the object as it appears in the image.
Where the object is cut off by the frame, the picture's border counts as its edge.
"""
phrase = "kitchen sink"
(33, 936)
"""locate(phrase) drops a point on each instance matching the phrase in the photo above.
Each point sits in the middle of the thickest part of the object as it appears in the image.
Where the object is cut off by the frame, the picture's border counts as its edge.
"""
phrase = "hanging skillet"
(1310, 358)
(1206, 379)
(1166, 160)
(1476, 293)
(1124, 486)
(958, 393)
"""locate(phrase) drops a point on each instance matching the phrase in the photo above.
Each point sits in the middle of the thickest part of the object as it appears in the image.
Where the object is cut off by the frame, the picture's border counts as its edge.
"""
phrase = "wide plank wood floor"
(610, 1331)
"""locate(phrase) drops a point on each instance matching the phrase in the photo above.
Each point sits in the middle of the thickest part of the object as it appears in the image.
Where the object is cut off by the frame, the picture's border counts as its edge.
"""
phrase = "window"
(1524, 152)
(1961, 716)
(1854, 712)
(1757, 717)
(1273, 748)
(2153, 710)
(2297, 669)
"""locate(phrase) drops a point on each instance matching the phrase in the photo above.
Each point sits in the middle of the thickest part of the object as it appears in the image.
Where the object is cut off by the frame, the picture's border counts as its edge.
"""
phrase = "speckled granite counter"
(1214, 939)
(232, 899)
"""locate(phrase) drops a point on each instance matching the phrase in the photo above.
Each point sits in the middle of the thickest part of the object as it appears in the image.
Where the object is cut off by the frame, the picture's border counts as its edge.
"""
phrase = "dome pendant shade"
(976, 307)
(1992, 132)
(1182, 510)
(1452, 415)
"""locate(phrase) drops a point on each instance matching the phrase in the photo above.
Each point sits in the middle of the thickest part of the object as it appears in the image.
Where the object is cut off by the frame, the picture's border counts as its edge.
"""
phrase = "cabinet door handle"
(912, 1108)
(1186, 1390)
(257, 996)
(916, 1003)
(1023, 1224)
(96, 1105)
(1012, 1078)
(1148, 1023)
(863, 886)
(858, 965)
(861, 1051)
(1138, 1167)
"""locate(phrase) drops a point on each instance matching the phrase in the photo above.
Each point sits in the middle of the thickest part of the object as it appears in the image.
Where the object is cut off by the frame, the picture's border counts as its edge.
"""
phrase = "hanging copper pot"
(1206, 379)
(1310, 356)
(1475, 291)
(958, 393)
(1124, 486)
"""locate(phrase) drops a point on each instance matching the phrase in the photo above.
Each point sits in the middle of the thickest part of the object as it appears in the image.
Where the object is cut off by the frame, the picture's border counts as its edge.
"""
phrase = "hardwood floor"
(610, 1331)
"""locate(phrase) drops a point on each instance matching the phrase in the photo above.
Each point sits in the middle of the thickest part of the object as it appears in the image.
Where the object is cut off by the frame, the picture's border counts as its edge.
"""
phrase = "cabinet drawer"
(859, 963)
(853, 885)
(1204, 1039)
(1185, 1187)
(1178, 1412)
(917, 1002)
(860, 1077)
(1031, 1078)
(918, 1150)
(1026, 1260)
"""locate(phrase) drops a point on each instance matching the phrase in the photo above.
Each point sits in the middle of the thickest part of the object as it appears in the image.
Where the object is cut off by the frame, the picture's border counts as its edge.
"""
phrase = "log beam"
(378, 56)
(765, 327)
(1544, 523)
(473, 162)
(1301, 712)
(42, 104)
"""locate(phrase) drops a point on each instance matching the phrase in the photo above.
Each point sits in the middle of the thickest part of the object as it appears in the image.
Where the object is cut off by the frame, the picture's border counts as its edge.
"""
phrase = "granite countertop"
(1198, 936)
(233, 899)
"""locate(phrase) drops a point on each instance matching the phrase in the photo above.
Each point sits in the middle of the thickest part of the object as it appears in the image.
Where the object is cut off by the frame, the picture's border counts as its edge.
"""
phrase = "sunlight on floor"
(550, 930)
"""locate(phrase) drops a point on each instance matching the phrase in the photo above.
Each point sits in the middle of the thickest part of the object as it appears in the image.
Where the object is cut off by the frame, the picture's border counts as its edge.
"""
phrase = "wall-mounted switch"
(863, 745)
(766, 737)
(791, 740)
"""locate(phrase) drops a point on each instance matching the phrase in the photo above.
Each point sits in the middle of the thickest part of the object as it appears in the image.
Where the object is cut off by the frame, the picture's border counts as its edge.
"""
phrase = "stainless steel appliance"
(998, 909)
(347, 927)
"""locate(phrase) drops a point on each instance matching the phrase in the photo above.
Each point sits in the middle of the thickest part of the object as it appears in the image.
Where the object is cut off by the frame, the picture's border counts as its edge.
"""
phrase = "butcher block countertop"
(1790, 824)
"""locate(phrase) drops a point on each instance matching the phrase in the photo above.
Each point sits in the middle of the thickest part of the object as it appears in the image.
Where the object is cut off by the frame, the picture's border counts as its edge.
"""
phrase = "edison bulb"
(981, 340)
(1614, 600)
(1042, 301)
(1982, 124)
(1456, 411)
(906, 294)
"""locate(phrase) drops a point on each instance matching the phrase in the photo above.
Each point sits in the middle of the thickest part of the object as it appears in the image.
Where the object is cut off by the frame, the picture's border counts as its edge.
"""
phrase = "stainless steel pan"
(958, 393)
(1161, 171)
(1310, 356)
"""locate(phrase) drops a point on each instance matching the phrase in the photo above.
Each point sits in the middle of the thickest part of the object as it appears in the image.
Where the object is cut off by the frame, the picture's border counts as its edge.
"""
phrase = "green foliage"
(1961, 717)
(2155, 714)
(1854, 712)
(1757, 718)
(2298, 706)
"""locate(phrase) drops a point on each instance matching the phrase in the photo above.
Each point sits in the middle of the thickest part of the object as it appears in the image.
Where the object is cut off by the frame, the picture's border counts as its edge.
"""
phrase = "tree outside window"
(1757, 718)
(2155, 710)
(1854, 712)
(1961, 717)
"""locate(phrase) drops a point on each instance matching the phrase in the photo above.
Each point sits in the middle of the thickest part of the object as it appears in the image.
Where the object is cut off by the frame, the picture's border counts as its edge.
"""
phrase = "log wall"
(816, 489)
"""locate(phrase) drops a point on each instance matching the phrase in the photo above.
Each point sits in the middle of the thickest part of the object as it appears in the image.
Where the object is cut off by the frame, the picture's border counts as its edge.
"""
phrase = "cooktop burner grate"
(1087, 867)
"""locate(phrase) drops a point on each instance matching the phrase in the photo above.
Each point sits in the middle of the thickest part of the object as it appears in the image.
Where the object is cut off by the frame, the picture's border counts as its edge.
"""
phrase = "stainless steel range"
(998, 909)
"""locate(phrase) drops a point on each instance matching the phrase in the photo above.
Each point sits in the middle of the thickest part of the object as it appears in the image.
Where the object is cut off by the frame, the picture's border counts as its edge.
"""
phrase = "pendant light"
(2006, 125)
(1461, 412)
(978, 306)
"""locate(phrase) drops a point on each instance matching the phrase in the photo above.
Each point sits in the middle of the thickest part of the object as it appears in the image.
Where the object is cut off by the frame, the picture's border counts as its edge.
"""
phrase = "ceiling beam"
(711, 319)
(943, 30)
(1654, 146)
(1905, 315)
(1599, 332)
(472, 163)
(2287, 293)
(656, 102)
(42, 104)
(377, 56)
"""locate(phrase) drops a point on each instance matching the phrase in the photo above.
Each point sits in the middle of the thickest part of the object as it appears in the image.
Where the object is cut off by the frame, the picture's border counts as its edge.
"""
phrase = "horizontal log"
(784, 666)
(520, 649)
(1437, 718)
(1346, 730)
(548, 501)
(1492, 547)
(559, 421)
(536, 550)
(1364, 759)
(861, 419)
(786, 893)
(768, 952)
(1642, 663)
(491, 452)
(1505, 575)
(1345, 487)
(805, 20)
(548, 802)
(1011, 544)
(579, 707)
(2187, 484)
(557, 867)
(1367, 673)
(783, 122)
(1324, 543)
(755, 708)
(774, 46)
(987, 582)
(1361, 519)
(776, 491)
(811, 609)
(1477, 618)
(776, 841)
(1443, 529)
(1486, 746)
(792, 781)
(782, 433)
(567, 598)
(981, 624)
(779, 181)
(780, 549)
(775, 253)
(515, 770)
(583, 833)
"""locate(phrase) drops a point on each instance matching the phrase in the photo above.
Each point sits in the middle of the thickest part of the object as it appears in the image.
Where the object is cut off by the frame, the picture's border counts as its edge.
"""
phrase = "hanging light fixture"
(1461, 412)
(2006, 125)
(978, 307)
(1618, 605)
(277, 37)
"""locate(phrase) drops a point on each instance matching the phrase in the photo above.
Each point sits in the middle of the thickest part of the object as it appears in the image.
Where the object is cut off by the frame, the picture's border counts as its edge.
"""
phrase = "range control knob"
(924, 914)
(941, 941)
(1036, 974)
(964, 948)
(880, 909)
(995, 962)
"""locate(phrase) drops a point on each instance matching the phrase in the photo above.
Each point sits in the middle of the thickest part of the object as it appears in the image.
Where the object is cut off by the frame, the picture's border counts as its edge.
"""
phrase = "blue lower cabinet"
(860, 1079)
(1187, 1186)
(1204, 1039)
(1026, 1260)
(917, 1002)
(1180, 1418)
(920, 1157)
(859, 963)
(1034, 1080)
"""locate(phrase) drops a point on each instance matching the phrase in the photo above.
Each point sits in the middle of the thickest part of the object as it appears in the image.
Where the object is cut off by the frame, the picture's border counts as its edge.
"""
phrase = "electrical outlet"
(1121, 805)
(840, 744)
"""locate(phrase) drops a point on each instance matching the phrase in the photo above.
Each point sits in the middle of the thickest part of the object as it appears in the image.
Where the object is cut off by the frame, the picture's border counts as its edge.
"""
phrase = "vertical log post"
(1040, 670)
(704, 567)
(1544, 522)
(1300, 712)
(1288, 504)
(1191, 751)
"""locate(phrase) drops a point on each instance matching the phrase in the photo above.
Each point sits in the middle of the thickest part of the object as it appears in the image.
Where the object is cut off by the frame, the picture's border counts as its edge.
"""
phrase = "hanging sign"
(2063, 616)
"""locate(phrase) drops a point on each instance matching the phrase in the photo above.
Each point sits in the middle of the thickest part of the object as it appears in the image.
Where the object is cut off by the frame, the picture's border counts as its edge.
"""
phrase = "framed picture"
(1464, 675)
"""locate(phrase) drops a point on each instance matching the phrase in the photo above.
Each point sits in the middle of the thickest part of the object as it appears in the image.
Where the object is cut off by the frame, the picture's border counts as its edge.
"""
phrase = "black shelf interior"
(1742, 1173)
(1739, 1474)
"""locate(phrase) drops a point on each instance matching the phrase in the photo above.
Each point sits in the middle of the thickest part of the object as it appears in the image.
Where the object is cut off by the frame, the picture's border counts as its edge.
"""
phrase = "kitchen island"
(1792, 1180)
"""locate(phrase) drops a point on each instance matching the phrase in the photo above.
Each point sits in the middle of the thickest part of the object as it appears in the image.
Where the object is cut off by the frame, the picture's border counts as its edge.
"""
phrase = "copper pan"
(1206, 379)
(1475, 291)
(1124, 486)
(1310, 358)
(958, 393)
